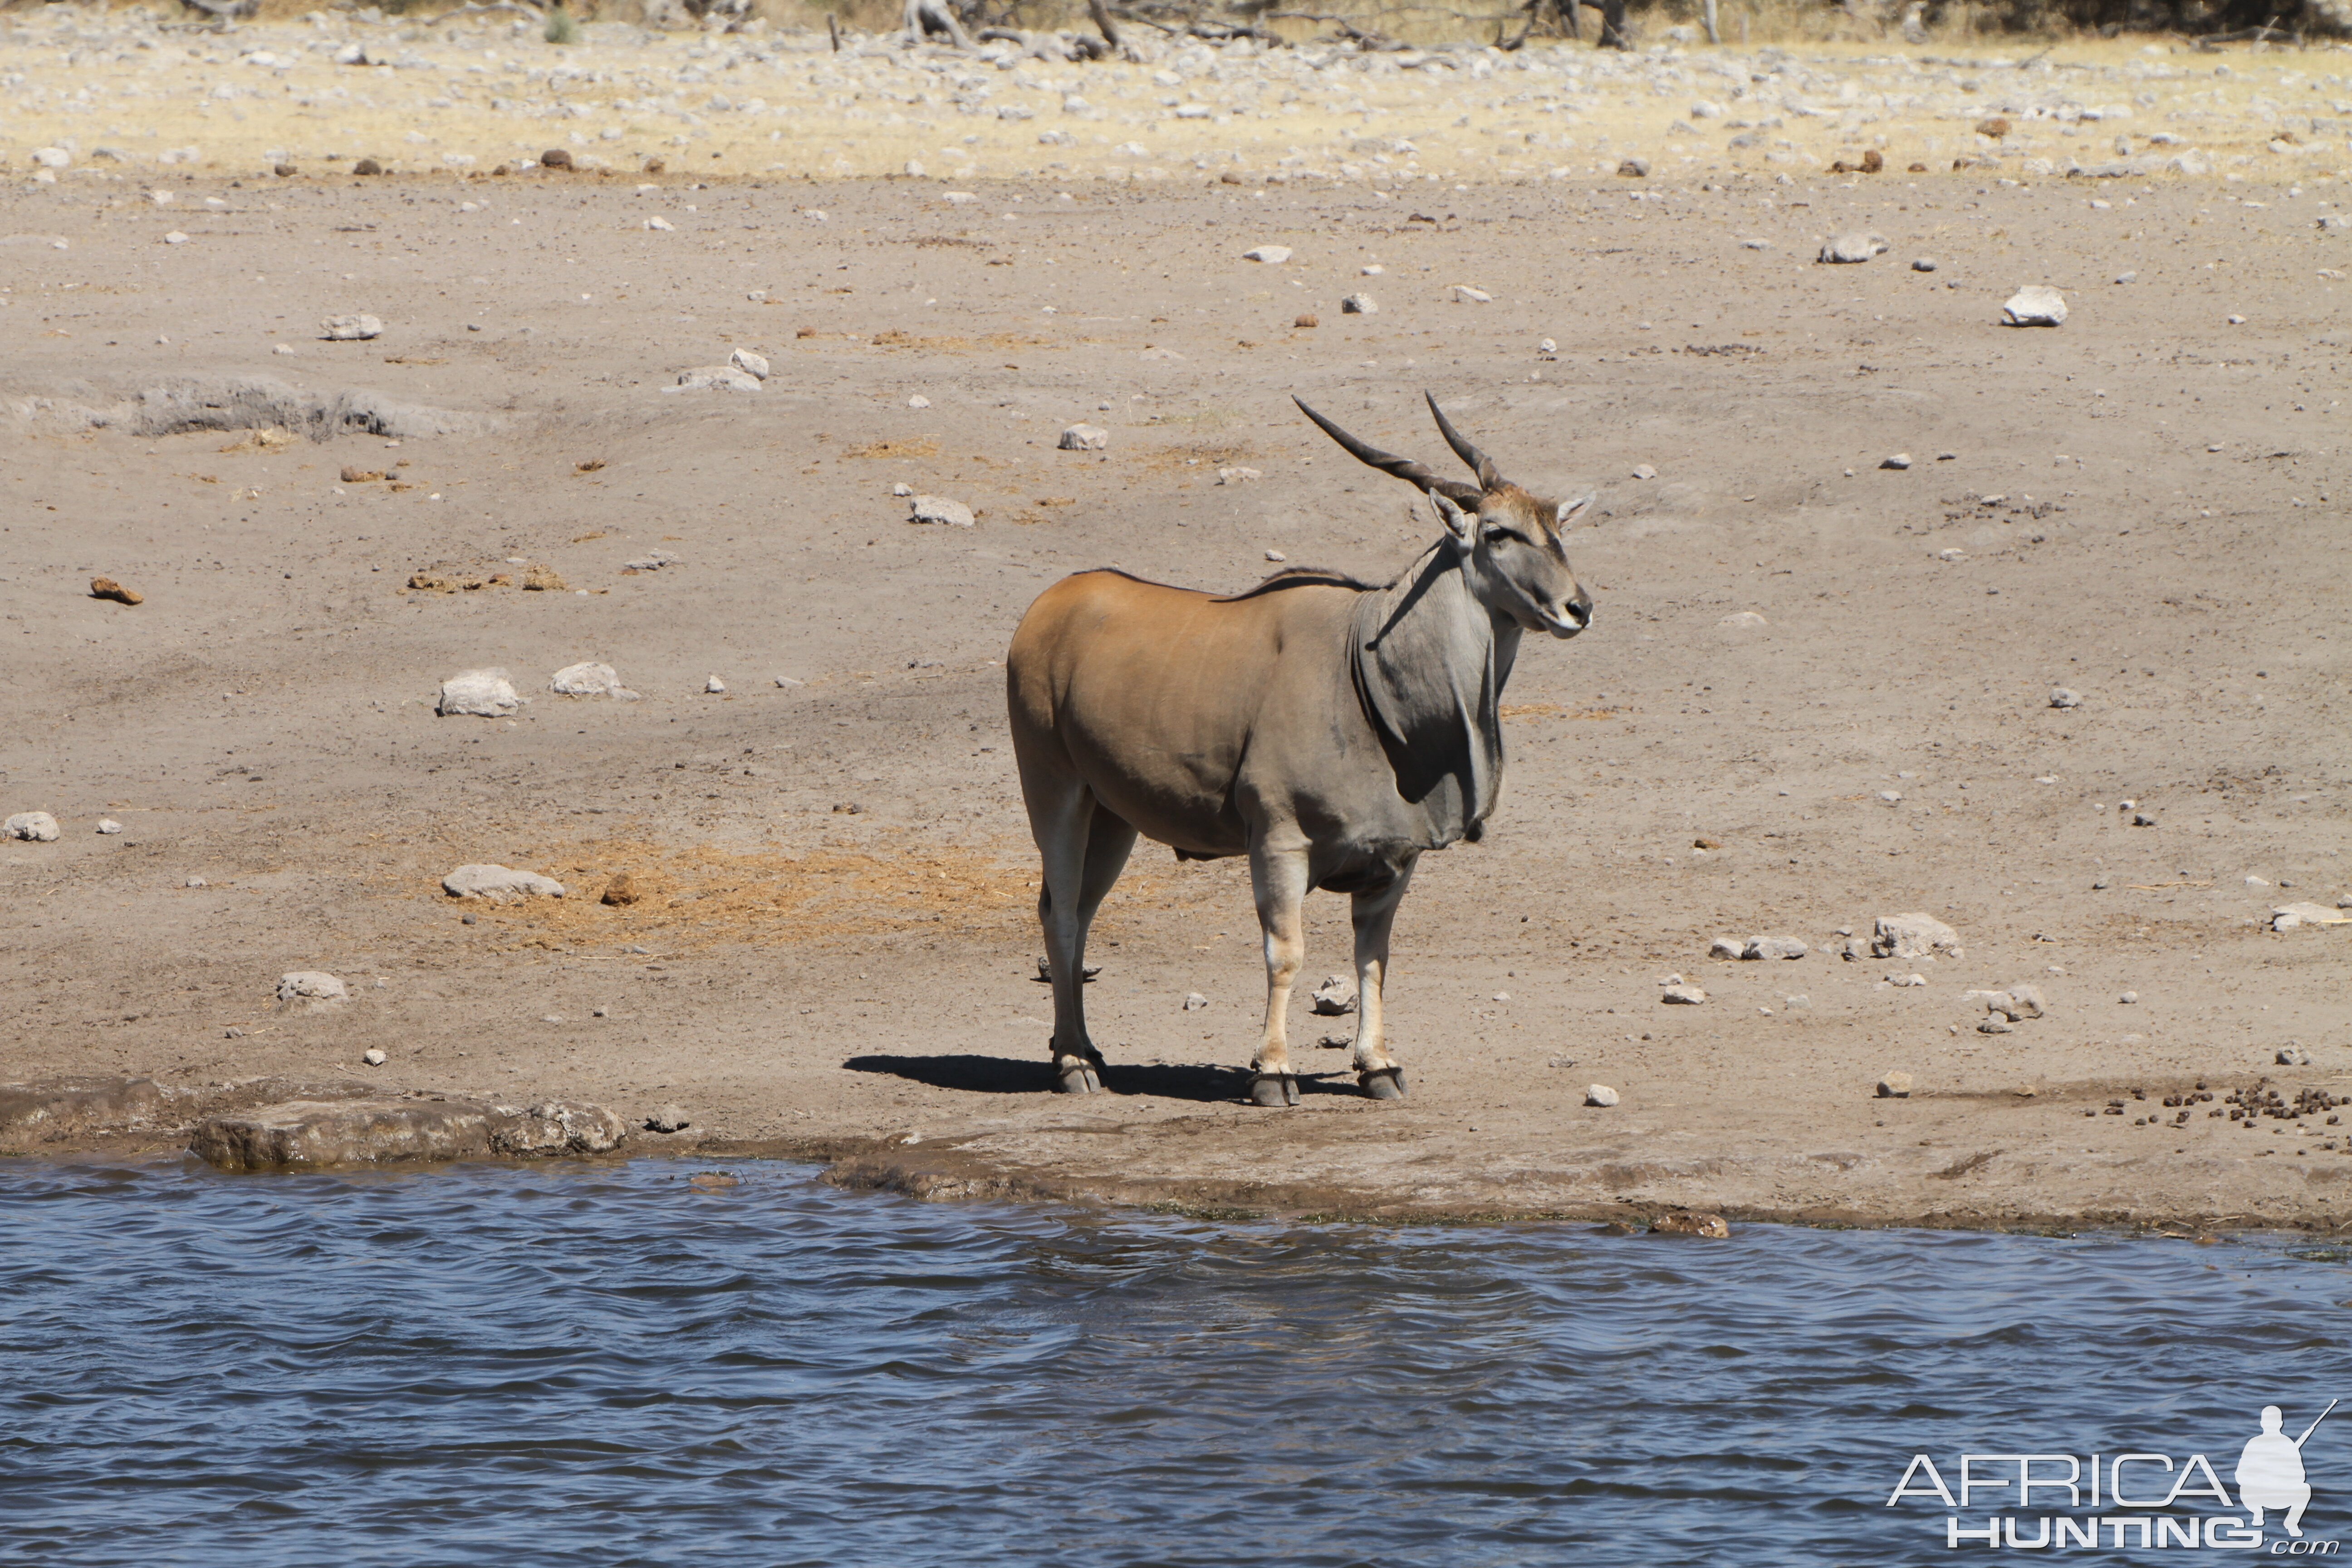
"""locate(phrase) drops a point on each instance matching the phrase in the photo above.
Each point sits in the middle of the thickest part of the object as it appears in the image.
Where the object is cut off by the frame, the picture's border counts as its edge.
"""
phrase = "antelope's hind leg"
(1374, 913)
(1084, 849)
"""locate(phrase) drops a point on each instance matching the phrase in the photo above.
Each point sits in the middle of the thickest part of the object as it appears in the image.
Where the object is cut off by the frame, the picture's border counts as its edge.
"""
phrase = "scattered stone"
(1599, 1094)
(2284, 916)
(1782, 947)
(670, 1118)
(349, 329)
(107, 825)
(1902, 980)
(1194, 1002)
(52, 157)
(1634, 169)
(1237, 476)
(1996, 1025)
(1914, 936)
(2034, 305)
(1304, 320)
(485, 693)
(1341, 1042)
(716, 378)
(1743, 618)
(1995, 128)
(2129, 997)
(176, 237)
(311, 991)
(1682, 995)
(33, 826)
(357, 475)
(1726, 947)
(1358, 305)
(1854, 247)
(2018, 1003)
(1797, 1002)
(2142, 819)
(754, 364)
(588, 678)
(786, 682)
(500, 884)
(374, 1056)
(651, 561)
(1712, 1226)
(1923, 264)
(1272, 255)
(1898, 461)
(938, 509)
(2293, 1056)
(1276, 555)
(543, 580)
(660, 225)
(195, 882)
(1084, 439)
(714, 686)
(107, 588)
(555, 158)
(2060, 697)
(1644, 471)
(919, 401)
(313, 1134)
(1464, 294)
(1334, 998)
(620, 892)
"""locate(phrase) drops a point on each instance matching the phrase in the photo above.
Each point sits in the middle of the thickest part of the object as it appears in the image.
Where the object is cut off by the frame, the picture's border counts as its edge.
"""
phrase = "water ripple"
(497, 1365)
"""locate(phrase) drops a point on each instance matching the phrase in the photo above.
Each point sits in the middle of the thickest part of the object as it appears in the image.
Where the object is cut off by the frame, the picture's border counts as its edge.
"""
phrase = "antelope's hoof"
(1384, 1083)
(1080, 1078)
(1274, 1090)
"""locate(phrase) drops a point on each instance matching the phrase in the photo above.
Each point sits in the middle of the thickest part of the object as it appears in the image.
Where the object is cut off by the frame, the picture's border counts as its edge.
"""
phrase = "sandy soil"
(833, 951)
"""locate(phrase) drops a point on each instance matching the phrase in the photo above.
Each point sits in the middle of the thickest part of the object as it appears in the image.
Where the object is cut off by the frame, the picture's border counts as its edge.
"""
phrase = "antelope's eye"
(1495, 535)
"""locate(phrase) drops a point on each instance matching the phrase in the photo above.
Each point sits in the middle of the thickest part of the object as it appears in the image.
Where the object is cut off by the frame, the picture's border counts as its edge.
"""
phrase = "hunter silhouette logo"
(2132, 1500)
(2270, 1472)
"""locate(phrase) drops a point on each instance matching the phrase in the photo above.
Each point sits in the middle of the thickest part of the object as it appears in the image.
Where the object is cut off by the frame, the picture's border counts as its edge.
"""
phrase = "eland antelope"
(1328, 729)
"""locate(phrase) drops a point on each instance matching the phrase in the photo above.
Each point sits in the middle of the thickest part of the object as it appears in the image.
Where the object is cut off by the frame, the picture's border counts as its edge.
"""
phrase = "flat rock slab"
(311, 1134)
(78, 1102)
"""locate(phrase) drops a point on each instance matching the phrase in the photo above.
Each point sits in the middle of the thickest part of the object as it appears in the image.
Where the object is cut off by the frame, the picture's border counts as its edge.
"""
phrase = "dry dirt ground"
(833, 951)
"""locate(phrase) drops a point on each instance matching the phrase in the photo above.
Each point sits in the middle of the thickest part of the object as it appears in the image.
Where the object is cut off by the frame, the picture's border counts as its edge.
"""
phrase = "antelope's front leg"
(1278, 878)
(1374, 912)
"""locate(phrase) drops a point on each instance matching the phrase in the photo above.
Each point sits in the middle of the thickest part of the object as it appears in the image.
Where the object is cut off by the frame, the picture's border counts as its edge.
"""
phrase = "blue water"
(607, 1365)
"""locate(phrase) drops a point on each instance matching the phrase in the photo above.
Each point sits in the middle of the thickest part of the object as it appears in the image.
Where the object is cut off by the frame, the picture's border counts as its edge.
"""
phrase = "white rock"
(1726, 947)
(349, 329)
(1914, 936)
(374, 1056)
(1895, 1086)
(1782, 947)
(1333, 998)
(1272, 255)
(960, 199)
(786, 682)
(659, 224)
(486, 693)
(1276, 555)
(176, 237)
(2034, 305)
(195, 882)
(107, 825)
(1194, 1002)
(940, 508)
(588, 678)
(1854, 247)
(500, 884)
(1358, 305)
(1084, 439)
(714, 685)
(163, 198)
(1237, 476)
(36, 826)
(1901, 981)
(2129, 997)
(1743, 618)
(754, 363)
(1898, 461)
(1682, 995)
(1643, 471)
(716, 378)
(919, 401)
(2286, 917)
(1464, 294)
(1923, 264)
(312, 988)
(2062, 697)
(2018, 1003)
(1599, 1094)
(902, 491)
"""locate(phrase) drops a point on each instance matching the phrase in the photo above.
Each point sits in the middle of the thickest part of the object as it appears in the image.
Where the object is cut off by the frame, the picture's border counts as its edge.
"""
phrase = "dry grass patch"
(912, 447)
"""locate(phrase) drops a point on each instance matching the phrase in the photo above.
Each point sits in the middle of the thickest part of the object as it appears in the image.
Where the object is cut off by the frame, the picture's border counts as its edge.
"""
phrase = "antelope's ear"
(1569, 510)
(1462, 525)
